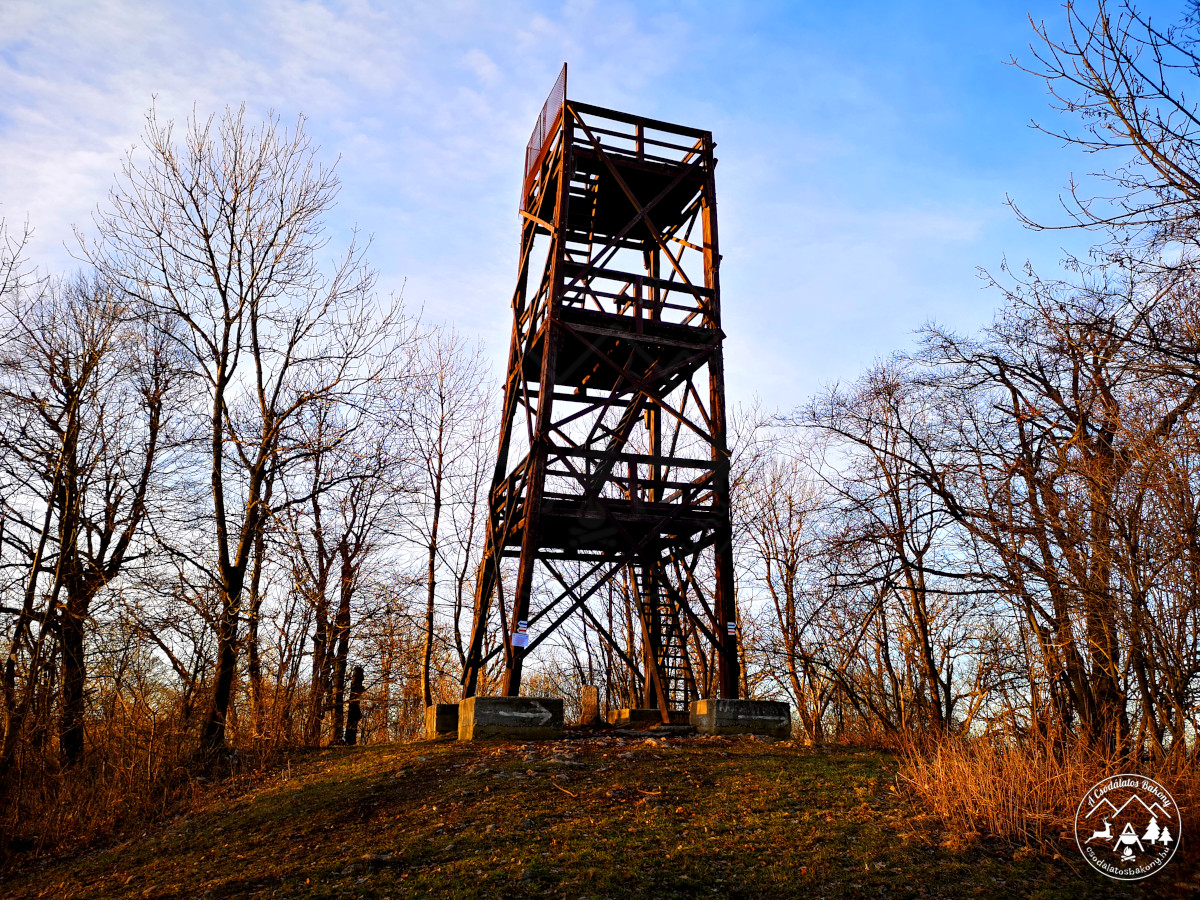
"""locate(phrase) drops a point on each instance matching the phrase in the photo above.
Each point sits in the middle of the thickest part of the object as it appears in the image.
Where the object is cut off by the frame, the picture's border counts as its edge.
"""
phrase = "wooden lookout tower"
(613, 469)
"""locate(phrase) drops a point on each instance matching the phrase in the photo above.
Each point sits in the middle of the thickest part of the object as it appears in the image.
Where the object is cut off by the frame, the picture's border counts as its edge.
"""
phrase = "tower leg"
(515, 656)
(532, 532)
(652, 636)
(728, 669)
(483, 600)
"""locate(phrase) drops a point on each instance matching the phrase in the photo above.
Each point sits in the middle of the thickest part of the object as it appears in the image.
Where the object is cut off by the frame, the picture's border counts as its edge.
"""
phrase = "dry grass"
(120, 784)
(595, 816)
(588, 816)
(1027, 795)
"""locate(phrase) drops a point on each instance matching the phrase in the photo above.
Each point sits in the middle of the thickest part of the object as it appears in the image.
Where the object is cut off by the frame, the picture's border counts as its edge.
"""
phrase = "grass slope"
(585, 817)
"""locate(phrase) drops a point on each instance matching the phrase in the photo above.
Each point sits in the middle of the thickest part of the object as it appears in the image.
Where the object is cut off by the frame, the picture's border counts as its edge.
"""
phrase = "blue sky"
(866, 148)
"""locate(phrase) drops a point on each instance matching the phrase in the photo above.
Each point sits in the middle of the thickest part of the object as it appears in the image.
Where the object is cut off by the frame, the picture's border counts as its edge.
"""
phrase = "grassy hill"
(590, 816)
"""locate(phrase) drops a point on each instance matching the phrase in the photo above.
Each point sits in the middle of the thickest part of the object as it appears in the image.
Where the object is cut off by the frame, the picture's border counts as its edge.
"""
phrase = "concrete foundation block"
(510, 718)
(441, 722)
(589, 713)
(766, 717)
(643, 718)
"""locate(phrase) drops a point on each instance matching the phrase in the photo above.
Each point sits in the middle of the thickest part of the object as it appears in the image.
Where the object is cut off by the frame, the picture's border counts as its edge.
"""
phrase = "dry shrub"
(142, 762)
(134, 773)
(46, 808)
(867, 736)
(1028, 794)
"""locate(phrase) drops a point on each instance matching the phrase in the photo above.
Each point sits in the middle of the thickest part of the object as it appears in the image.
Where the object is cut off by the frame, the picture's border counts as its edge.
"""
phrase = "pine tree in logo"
(1152, 831)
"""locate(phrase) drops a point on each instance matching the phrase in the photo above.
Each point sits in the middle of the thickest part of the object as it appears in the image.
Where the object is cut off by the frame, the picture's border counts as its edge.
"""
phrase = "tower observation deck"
(612, 471)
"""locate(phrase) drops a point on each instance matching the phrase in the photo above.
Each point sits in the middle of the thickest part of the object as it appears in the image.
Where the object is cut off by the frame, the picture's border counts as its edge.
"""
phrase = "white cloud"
(843, 224)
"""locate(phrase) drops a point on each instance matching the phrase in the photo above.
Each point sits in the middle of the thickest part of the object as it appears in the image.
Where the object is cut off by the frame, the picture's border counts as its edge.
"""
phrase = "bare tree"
(1127, 80)
(221, 235)
(1066, 410)
(85, 382)
(781, 504)
(895, 540)
(448, 418)
(13, 276)
(352, 492)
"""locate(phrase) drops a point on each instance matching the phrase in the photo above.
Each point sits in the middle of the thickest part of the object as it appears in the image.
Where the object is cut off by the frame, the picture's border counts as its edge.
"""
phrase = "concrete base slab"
(658, 731)
(441, 722)
(766, 717)
(644, 718)
(510, 718)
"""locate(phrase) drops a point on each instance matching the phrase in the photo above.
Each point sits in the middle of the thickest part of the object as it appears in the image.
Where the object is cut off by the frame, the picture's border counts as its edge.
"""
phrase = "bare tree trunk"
(431, 585)
(253, 659)
(342, 635)
(354, 714)
(73, 677)
(385, 690)
(213, 735)
(322, 672)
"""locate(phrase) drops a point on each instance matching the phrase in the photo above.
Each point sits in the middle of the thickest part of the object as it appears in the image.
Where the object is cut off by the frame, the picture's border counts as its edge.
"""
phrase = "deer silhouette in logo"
(1106, 834)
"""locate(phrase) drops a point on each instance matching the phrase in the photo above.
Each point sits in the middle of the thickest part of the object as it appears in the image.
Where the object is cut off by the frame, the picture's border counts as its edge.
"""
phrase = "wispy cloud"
(865, 150)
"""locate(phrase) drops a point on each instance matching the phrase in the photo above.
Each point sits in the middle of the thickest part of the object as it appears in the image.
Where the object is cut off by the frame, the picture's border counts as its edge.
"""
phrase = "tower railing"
(547, 122)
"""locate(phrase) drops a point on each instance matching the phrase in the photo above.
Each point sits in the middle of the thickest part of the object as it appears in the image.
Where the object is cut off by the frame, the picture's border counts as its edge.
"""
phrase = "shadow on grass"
(589, 818)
